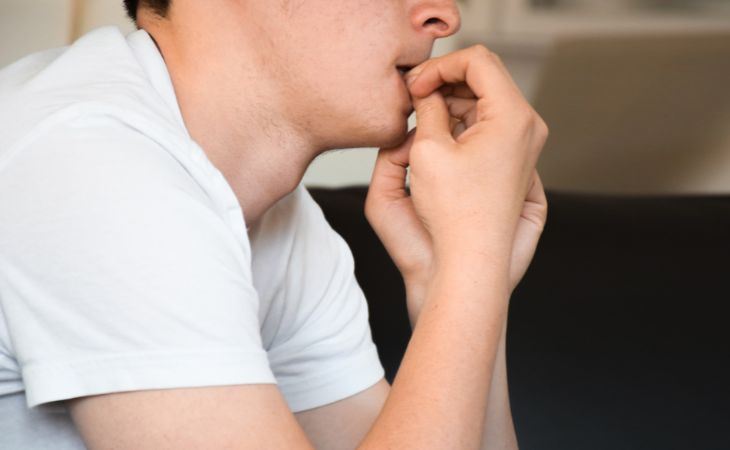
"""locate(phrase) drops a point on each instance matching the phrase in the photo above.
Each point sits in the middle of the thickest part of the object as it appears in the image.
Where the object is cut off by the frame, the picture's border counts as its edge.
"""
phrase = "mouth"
(403, 70)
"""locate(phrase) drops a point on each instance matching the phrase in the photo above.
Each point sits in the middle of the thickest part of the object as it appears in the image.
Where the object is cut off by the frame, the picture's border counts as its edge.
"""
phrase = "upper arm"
(118, 274)
(232, 417)
(127, 291)
(236, 417)
(344, 424)
(315, 317)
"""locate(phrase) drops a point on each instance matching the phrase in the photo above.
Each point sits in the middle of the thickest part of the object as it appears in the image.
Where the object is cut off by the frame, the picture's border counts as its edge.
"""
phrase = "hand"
(473, 181)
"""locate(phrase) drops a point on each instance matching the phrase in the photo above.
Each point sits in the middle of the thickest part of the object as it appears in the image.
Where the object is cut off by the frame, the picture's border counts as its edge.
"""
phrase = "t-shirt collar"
(150, 58)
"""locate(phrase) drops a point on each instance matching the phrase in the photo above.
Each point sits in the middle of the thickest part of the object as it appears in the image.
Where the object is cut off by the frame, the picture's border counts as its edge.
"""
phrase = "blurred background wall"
(636, 92)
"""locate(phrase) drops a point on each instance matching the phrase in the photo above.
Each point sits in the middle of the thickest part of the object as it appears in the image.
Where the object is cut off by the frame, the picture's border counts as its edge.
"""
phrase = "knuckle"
(428, 107)
(483, 108)
(524, 116)
(484, 53)
(541, 128)
(481, 51)
(426, 144)
(528, 123)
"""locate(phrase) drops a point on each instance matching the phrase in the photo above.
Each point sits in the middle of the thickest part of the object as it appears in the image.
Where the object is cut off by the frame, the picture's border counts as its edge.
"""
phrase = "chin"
(389, 133)
(393, 139)
(386, 131)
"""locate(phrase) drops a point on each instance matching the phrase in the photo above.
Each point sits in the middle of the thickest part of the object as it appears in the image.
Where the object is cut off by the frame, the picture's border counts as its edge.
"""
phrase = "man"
(167, 283)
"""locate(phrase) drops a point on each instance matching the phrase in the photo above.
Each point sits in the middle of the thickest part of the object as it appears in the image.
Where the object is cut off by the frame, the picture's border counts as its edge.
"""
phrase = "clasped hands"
(474, 189)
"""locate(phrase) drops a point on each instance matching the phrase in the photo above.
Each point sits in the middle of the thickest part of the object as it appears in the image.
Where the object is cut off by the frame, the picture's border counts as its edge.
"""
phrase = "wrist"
(478, 262)
(479, 270)
(478, 248)
(417, 286)
(416, 293)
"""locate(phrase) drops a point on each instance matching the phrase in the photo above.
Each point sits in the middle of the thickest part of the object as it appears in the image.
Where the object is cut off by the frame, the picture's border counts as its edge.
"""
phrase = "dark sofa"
(618, 336)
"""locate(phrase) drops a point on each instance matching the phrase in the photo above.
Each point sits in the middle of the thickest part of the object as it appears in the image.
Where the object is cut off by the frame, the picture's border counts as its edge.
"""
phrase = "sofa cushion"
(617, 335)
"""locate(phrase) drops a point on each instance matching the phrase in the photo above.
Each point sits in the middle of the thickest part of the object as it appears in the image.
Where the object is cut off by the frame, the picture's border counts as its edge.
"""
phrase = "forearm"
(499, 432)
(439, 397)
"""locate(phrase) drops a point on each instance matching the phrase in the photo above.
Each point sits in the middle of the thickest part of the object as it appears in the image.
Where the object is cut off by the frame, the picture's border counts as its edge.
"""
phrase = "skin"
(263, 97)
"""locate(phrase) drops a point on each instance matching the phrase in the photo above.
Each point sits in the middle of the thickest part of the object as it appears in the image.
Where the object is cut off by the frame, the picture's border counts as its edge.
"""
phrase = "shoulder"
(99, 73)
(101, 56)
(94, 183)
(84, 149)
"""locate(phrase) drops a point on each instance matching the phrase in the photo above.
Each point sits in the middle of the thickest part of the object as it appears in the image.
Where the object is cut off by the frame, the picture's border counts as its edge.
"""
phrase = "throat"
(261, 168)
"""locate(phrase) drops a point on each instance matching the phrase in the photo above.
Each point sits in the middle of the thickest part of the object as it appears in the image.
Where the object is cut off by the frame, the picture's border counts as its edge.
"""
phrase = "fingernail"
(416, 70)
(413, 74)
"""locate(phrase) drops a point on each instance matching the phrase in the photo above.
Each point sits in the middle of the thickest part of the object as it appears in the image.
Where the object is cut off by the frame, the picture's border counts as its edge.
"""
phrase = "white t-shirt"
(125, 261)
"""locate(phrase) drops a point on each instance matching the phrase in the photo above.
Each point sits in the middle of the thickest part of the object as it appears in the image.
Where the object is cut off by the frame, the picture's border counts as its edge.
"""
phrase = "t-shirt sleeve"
(117, 272)
(322, 351)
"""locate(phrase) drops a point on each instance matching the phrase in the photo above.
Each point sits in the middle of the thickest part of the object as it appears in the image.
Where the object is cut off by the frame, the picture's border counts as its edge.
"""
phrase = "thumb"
(432, 116)
(389, 174)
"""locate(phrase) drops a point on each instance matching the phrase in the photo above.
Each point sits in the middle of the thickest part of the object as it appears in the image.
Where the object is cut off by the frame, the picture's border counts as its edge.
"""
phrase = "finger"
(535, 209)
(391, 169)
(460, 90)
(479, 68)
(453, 122)
(458, 128)
(432, 117)
(463, 109)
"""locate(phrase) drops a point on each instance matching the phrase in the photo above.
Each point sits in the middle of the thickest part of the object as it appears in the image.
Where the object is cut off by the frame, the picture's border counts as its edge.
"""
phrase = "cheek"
(355, 87)
(363, 97)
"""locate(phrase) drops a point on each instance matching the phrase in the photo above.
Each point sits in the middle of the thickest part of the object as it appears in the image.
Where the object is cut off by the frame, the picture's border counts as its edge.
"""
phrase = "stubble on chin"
(387, 134)
(394, 137)
(383, 133)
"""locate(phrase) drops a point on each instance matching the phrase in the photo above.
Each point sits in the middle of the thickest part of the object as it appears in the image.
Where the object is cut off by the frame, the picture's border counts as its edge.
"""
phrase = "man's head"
(329, 68)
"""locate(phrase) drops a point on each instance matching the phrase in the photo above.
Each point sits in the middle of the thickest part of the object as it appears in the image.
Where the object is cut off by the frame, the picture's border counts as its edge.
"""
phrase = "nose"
(439, 18)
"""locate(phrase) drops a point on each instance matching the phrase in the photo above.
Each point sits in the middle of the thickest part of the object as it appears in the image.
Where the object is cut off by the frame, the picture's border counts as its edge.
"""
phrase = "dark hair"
(160, 7)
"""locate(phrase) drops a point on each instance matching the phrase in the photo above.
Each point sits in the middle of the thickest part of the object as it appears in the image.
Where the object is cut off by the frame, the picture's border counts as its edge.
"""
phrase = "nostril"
(437, 23)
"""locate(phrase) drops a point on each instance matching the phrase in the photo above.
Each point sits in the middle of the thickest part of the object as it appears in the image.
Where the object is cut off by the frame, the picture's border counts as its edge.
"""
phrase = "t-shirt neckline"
(151, 60)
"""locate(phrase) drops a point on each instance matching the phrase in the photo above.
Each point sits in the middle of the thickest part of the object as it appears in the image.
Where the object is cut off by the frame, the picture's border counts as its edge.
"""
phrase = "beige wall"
(95, 13)
(28, 26)
(636, 98)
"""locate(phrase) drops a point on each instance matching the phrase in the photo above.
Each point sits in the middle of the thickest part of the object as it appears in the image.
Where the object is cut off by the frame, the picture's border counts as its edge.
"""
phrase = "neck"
(239, 119)
(262, 158)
